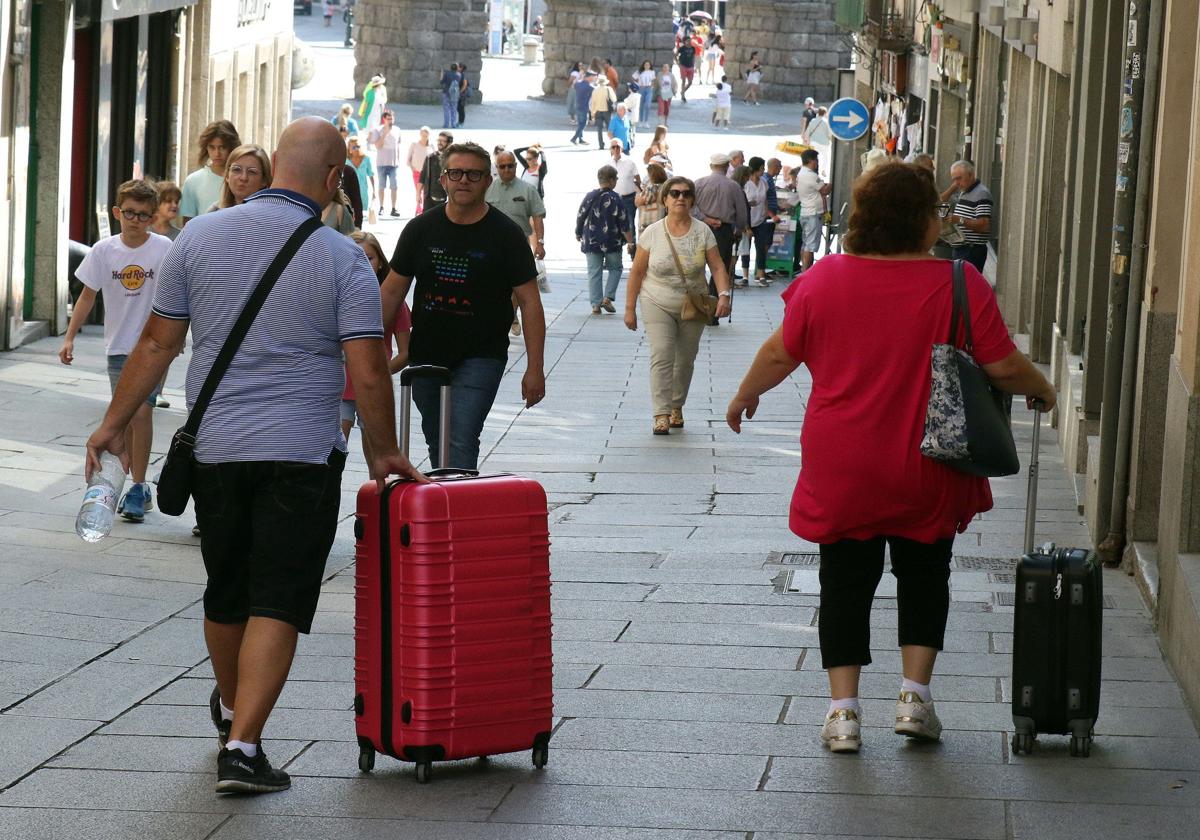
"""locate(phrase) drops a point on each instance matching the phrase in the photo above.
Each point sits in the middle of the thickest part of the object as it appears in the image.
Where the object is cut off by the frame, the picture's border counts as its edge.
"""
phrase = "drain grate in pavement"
(1009, 599)
(783, 583)
(982, 564)
(782, 558)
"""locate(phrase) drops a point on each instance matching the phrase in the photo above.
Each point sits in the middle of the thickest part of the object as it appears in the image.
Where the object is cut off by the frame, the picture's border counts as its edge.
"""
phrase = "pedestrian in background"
(720, 204)
(203, 187)
(386, 141)
(520, 201)
(812, 193)
(374, 103)
(863, 326)
(464, 93)
(269, 452)
(646, 81)
(466, 259)
(395, 335)
(433, 191)
(722, 104)
(712, 54)
(125, 269)
(249, 171)
(418, 151)
(583, 103)
(670, 261)
(754, 74)
(658, 148)
(600, 108)
(619, 128)
(603, 226)
(972, 212)
(168, 208)
(573, 76)
(649, 201)
(364, 171)
(685, 57)
(533, 162)
(451, 87)
(762, 227)
(740, 175)
(666, 92)
(344, 119)
(628, 179)
(610, 73)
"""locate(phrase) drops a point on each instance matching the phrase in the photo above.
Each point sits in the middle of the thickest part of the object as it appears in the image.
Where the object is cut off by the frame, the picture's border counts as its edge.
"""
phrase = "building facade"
(1080, 116)
(99, 91)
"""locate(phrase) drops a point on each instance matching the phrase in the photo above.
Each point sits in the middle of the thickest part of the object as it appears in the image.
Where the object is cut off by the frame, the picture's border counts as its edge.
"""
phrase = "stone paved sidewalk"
(688, 684)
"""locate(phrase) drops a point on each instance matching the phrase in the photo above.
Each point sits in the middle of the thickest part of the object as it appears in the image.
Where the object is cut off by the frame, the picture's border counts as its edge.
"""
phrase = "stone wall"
(411, 42)
(798, 43)
(626, 31)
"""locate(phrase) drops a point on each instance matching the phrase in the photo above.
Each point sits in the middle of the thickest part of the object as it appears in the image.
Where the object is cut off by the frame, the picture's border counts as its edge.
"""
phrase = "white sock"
(226, 714)
(249, 750)
(845, 703)
(919, 689)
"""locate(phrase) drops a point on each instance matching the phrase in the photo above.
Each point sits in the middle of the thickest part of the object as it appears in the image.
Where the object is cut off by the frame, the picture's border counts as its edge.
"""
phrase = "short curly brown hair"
(892, 207)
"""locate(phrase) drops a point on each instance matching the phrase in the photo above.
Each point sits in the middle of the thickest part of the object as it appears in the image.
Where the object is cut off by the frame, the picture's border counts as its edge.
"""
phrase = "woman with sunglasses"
(248, 171)
(671, 256)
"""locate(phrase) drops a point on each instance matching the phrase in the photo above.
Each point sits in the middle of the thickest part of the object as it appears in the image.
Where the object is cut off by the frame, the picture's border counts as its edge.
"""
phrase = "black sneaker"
(223, 726)
(395, 212)
(237, 773)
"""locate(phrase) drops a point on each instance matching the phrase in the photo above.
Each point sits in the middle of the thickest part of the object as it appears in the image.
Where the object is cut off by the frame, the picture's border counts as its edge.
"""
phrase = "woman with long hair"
(202, 189)
(249, 171)
(645, 80)
(658, 148)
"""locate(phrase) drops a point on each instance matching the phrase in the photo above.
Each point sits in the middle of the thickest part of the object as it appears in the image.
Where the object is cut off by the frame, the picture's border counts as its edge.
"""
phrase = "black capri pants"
(851, 571)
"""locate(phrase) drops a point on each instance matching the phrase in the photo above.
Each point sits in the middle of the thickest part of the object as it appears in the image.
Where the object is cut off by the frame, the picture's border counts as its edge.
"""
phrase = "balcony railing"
(891, 31)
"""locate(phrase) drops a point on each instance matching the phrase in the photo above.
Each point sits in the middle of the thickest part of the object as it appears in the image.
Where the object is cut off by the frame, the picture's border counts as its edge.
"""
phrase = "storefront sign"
(252, 11)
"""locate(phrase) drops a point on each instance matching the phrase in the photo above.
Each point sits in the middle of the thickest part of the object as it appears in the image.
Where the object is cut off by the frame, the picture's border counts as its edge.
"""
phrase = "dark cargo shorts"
(266, 528)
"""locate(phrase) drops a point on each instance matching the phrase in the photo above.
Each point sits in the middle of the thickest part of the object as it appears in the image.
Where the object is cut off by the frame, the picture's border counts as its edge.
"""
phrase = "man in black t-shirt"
(686, 56)
(468, 260)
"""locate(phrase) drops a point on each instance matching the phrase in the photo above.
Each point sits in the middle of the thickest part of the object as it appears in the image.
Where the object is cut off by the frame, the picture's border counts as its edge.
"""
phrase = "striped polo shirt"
(279, 399)
(974, 203)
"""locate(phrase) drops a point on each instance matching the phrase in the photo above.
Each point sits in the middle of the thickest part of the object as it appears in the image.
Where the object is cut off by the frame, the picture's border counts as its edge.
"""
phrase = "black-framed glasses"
(943, 210)
(473, 175)
(130, 215)
(506, 166)
(679, 193)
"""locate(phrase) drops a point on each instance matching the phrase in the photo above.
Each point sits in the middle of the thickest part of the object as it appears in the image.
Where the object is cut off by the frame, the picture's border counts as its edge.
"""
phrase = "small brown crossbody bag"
(697, 305)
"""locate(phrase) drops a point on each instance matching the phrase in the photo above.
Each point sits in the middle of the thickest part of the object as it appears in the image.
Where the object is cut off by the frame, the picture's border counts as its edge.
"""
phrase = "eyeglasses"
(473, 175)
(249, 171)
(506, 166)
(130, 215)
(679, 193)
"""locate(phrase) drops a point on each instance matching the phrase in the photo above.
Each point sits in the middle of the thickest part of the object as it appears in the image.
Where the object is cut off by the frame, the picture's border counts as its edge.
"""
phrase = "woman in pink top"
(864, 324)
(397, 330)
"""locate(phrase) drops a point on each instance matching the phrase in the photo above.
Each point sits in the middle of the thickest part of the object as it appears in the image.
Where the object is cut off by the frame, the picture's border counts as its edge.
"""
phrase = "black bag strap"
(243, 323)
(960, 309)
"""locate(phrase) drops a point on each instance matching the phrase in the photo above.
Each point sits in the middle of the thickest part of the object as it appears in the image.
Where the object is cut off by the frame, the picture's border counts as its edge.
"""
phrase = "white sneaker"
(916, 719)
(842, 731)
(149, 494)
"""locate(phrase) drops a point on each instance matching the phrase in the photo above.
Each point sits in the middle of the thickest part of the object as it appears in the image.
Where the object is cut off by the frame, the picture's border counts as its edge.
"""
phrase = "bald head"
(308, 159)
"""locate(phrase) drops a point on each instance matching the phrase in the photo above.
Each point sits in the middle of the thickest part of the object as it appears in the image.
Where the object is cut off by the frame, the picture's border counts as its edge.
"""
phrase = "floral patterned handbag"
(967, 420)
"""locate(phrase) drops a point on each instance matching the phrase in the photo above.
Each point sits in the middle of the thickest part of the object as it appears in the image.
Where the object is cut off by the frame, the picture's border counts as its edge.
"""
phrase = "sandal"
(677, 418)
(662, 424)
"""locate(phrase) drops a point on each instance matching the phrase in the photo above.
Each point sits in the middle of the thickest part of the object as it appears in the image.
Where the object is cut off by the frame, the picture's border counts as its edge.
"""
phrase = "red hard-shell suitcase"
(452, 613)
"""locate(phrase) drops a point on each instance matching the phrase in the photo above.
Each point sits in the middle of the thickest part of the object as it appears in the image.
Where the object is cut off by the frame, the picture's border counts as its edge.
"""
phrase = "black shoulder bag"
(967, 419)
(175, 482)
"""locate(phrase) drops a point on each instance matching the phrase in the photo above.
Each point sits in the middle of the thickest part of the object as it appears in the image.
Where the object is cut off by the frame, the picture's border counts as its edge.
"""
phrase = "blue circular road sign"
(849, 119)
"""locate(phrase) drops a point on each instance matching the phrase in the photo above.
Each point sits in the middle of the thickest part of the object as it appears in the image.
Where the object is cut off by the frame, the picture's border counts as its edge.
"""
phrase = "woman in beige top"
(417, 152)
(655, 278)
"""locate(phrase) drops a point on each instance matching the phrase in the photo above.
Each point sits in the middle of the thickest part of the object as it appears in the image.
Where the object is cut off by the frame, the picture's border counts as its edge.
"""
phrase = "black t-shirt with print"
(464, 277)
(687, 54)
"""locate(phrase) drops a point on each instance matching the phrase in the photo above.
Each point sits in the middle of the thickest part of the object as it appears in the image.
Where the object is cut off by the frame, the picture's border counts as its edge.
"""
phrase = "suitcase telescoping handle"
(406, 380)
(1031, 494)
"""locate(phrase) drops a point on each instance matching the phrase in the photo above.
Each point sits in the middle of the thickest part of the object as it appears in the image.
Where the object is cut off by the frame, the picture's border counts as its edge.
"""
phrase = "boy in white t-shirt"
(125, 269)
(724, 102)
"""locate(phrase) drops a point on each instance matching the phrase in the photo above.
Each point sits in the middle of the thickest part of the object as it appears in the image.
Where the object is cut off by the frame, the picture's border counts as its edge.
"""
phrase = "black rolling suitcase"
(1056, 636)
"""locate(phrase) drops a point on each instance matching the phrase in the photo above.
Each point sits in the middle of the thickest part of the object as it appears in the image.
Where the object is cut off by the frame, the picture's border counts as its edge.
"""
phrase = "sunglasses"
(679, 193)
(473, 175)
(506, 166)
(130, 215)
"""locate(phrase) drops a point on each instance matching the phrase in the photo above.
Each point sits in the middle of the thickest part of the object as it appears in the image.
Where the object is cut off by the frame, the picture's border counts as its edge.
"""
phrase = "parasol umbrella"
(701, 15)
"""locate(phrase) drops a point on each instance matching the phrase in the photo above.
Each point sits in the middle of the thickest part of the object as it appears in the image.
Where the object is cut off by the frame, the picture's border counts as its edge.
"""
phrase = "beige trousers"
(674, 343)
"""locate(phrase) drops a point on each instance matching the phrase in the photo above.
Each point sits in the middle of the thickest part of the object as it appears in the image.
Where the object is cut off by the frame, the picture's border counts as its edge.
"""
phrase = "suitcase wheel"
(424, 772)
(541, 754)
(366, 759)
(1022, 742)
(1081, 747)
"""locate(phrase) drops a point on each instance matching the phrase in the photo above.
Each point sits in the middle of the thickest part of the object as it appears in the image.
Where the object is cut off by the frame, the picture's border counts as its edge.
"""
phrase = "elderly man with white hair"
(619, 128)
(970, 209)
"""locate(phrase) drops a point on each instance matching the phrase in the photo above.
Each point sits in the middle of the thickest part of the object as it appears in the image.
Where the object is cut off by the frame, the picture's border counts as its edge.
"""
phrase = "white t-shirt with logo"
(724, 96)
(808, 189)
(126, 277)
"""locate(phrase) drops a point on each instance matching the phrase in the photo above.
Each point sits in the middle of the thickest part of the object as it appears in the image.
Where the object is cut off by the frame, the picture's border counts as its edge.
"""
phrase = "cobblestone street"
(689, 690)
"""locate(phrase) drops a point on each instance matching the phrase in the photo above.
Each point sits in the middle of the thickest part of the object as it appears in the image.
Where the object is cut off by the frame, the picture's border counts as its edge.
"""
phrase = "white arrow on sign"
(852, 119)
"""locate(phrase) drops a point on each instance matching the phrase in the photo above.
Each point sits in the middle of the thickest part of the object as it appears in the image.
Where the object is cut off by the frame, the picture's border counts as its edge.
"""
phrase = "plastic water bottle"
(95, 517)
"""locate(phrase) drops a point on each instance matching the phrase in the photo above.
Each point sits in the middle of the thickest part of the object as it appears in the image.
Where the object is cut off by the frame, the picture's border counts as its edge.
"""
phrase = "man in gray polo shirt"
(270, 450)
(519, 200)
